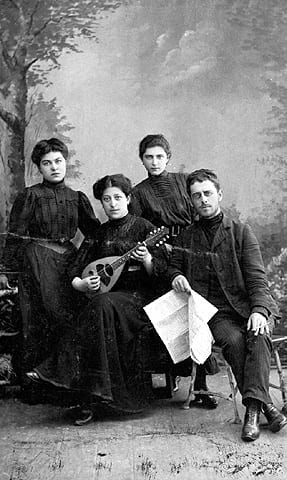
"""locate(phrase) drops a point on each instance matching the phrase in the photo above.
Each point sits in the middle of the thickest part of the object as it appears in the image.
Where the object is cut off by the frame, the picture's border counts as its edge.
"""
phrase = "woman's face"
(155, 160)
(53, 167)
(115, 203)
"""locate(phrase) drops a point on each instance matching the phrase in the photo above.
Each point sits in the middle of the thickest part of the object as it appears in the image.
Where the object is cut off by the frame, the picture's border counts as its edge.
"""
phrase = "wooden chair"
(9, 335)
(232, 383)
(277, 342)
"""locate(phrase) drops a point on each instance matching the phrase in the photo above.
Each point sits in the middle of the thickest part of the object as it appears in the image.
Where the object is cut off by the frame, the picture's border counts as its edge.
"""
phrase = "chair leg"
(175, 383)
(234, 390)
(190, 396)
(282, 381)
(233, 387)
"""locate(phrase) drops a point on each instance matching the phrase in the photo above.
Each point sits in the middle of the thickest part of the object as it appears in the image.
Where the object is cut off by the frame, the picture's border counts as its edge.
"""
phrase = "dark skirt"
(107, 339)
(98, 360)
(45, 297)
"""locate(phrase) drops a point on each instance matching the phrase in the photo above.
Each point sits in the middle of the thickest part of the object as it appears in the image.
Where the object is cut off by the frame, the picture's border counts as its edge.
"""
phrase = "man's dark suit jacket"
(236, 257)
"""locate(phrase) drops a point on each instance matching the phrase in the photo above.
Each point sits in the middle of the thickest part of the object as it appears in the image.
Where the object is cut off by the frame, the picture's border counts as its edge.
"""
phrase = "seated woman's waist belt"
(134, 268)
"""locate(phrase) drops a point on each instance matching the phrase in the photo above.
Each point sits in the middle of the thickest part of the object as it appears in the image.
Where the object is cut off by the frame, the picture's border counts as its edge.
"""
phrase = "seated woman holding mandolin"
(113, 272)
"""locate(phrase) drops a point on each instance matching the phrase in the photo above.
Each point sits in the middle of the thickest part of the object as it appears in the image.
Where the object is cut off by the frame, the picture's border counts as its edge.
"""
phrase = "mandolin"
(110, 268)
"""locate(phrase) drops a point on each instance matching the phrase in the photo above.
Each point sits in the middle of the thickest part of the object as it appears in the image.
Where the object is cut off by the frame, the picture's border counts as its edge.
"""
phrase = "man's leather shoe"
(275, 418)
(250, 430)
(206, 400)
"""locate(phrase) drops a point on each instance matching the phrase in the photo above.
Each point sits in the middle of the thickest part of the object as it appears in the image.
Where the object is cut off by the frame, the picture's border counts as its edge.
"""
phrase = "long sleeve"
(254, 274)
(83, 258)
(178, 261)
(160, 261)
(88, 223)
(21, 213)
(135, 205)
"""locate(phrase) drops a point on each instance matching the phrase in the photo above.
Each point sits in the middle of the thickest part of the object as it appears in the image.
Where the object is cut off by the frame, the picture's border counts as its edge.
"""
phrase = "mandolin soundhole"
(104, 273)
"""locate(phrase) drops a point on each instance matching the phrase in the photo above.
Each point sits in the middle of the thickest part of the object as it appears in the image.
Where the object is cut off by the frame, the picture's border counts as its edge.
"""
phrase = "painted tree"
(33, 35)
(45, 119)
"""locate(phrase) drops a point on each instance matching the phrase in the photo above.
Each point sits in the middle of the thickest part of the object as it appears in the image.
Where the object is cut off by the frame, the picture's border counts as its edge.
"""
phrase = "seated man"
(221, 260)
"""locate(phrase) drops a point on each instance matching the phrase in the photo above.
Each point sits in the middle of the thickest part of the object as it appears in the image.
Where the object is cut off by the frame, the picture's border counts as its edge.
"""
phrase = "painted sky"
(172, 67)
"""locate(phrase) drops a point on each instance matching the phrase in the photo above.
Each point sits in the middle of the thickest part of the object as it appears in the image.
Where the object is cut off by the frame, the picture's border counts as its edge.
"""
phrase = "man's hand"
(257, 323)
(180, 284)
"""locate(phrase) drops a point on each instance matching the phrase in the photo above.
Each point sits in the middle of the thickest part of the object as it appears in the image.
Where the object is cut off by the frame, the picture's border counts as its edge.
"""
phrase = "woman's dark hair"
(200, 176)
(157, 140)
(117, 180)
(47, 146)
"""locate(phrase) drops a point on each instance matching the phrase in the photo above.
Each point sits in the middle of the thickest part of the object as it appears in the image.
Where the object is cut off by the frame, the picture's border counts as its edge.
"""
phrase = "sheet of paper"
(200, 336)
(181, 322)
(168, 315)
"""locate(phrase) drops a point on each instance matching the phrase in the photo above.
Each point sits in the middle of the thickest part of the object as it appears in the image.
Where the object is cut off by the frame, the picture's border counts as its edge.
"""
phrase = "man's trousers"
(248, 355)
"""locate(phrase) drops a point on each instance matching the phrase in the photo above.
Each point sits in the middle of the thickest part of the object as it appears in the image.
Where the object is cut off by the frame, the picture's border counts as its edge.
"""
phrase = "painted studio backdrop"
(209, 74)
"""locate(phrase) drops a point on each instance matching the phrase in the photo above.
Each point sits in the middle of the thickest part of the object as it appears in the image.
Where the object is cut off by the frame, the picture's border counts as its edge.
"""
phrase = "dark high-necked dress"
(109, 323)
(43, 220)
(163, 200)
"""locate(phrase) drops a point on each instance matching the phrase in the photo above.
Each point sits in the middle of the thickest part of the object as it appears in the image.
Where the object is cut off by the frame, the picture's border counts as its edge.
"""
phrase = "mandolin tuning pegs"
(158, 244)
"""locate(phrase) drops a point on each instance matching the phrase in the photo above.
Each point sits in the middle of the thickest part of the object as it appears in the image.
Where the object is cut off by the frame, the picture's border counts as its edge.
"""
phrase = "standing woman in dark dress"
(43, 220)
(162, 198)
(109, 323)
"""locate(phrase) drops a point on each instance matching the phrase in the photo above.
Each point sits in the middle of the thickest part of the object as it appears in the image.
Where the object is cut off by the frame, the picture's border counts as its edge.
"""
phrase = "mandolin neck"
(123, 259)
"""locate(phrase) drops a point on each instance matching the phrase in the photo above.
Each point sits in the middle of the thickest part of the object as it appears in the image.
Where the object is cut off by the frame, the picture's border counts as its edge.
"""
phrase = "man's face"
(53, 167)
(205, 198)
(155, 160)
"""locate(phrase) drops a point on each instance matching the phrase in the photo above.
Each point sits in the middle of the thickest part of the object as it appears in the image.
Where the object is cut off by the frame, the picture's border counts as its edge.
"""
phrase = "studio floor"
(166, 442)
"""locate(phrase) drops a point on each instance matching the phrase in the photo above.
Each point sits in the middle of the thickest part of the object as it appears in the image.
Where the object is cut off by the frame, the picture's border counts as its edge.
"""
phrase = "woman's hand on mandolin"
(88, 284)
(92, 284)
(141, 254)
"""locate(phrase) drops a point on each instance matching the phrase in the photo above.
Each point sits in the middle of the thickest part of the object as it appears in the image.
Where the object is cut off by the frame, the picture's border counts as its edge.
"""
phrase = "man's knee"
(260, 341)
(234, 342)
